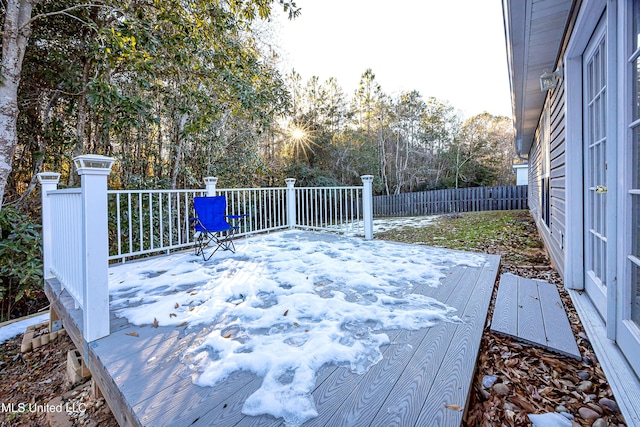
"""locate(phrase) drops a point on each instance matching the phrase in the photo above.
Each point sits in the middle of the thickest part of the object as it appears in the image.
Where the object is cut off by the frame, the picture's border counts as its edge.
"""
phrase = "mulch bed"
(531, 380)
(34, 379)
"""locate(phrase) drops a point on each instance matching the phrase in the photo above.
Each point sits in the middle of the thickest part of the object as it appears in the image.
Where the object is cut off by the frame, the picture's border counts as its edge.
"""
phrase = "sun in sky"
(299, 140)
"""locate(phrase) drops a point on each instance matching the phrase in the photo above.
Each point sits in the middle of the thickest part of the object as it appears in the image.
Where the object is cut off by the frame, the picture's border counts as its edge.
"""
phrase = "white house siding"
(554, 234)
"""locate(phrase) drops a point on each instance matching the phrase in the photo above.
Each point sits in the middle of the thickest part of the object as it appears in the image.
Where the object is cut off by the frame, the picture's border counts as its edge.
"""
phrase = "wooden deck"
(146, 384)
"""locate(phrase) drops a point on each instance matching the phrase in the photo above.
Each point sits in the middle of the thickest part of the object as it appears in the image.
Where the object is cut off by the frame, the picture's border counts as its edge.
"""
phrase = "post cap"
(290, 181)
(366, 178)
(93, 163)
(48, 177)
(211, 180)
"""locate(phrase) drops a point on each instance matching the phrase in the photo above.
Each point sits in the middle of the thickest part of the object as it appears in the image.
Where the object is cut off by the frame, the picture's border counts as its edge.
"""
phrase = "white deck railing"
(145, 222)
(83, 229)
(333, 208)
(149, 221)
(66, 231)
(75, 243)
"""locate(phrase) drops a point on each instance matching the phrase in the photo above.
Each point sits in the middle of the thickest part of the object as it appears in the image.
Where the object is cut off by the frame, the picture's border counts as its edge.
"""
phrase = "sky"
(279, 307)
(453, 50)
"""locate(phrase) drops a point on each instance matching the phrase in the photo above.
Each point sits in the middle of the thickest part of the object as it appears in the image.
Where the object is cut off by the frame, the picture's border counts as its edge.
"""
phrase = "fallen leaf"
(133, 334)
(286, 312)
(228, 335)
(155, 322)
(182, 324)
(172, 315)
(177, 306)
(453, 406)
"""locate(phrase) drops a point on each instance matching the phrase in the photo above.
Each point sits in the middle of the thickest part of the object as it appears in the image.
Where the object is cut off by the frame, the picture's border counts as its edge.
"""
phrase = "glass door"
(595, 168)
(628, 322)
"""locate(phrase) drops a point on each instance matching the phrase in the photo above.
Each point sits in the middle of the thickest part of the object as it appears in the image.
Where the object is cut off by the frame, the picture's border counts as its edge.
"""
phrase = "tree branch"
(65, 12)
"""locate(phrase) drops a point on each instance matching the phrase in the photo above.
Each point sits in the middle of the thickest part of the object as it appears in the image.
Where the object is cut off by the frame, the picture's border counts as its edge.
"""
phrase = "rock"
(488, 381)
(585, 386)
(595, 408)
(584, 375)
(567, 416)
(600, 422)
(485, 394)
(588, 414)
(609, 405)
(548, 420)
(561, 408)
(508, 406)
(586, 360)
(501, 389)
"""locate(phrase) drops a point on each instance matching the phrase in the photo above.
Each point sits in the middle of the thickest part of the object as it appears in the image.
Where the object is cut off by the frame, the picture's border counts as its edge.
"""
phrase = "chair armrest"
(237, 216)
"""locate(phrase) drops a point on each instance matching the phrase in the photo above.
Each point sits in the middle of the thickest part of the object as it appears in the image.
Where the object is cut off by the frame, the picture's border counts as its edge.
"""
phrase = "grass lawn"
(511, 234)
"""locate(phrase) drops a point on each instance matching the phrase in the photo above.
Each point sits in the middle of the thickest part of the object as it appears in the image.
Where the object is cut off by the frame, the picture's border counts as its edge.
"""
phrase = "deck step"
(531, 310)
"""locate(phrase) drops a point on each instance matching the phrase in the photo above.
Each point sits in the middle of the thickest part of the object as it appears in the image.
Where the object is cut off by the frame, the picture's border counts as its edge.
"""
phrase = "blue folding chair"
(210, 225)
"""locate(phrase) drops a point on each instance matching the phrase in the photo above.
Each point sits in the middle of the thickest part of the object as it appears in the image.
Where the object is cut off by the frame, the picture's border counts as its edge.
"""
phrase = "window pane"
(636, 25)
(635, 225)
(636, 91)
(635, 294)
(635, 165)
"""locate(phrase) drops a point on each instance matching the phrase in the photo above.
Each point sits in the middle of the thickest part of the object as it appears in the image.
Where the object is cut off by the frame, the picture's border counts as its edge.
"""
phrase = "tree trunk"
(14, 42)
(178, 151)
(81, 134)
(42, 148)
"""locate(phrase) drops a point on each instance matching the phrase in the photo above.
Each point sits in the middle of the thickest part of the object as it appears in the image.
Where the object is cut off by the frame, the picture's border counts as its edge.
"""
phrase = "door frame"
(590, 14)
(628, 332)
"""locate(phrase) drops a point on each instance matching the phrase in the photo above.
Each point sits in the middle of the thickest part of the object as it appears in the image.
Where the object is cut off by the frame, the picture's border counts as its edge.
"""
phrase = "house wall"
(548, 153)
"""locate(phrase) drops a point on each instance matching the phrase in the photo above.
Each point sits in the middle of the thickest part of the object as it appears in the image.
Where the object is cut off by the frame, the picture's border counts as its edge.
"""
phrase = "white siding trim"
(588, 18)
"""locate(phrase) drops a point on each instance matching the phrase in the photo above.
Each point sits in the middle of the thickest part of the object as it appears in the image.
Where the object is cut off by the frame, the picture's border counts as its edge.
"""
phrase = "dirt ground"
(30, 382)
(527, 379)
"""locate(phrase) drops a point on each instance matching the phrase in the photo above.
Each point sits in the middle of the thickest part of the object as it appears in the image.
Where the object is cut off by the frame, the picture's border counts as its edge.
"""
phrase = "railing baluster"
(150, 220)
(118, 224)
(140, 221)
(130, 223)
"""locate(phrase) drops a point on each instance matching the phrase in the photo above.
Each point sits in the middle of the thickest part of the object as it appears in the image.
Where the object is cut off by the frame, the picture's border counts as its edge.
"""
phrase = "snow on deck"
(295, 328)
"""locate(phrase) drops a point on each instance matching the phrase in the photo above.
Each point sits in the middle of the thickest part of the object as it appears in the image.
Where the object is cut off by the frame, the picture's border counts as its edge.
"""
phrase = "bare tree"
(17, 30)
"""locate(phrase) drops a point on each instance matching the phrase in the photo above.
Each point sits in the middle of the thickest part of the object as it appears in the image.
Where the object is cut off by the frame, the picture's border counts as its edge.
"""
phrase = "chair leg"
(199, 248)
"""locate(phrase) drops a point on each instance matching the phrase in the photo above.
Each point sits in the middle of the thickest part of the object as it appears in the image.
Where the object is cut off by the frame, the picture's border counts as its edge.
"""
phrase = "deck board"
(373, 389)
(558, 330)
(505, 311)
(538, 317)
(146, 381)
(453, 380)
(530, 323)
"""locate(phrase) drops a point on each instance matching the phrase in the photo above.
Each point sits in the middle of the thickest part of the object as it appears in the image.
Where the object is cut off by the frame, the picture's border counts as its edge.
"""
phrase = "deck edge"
(123, 414)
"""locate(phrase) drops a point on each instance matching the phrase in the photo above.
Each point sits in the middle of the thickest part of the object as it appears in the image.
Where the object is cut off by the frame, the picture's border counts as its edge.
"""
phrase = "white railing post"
(94, 170)
(48, 182)
(367, 205)
(291, 202)
(210, 183)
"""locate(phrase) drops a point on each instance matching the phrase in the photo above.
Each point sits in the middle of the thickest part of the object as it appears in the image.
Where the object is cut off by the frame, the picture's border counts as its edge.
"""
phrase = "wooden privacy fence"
(452, 200)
